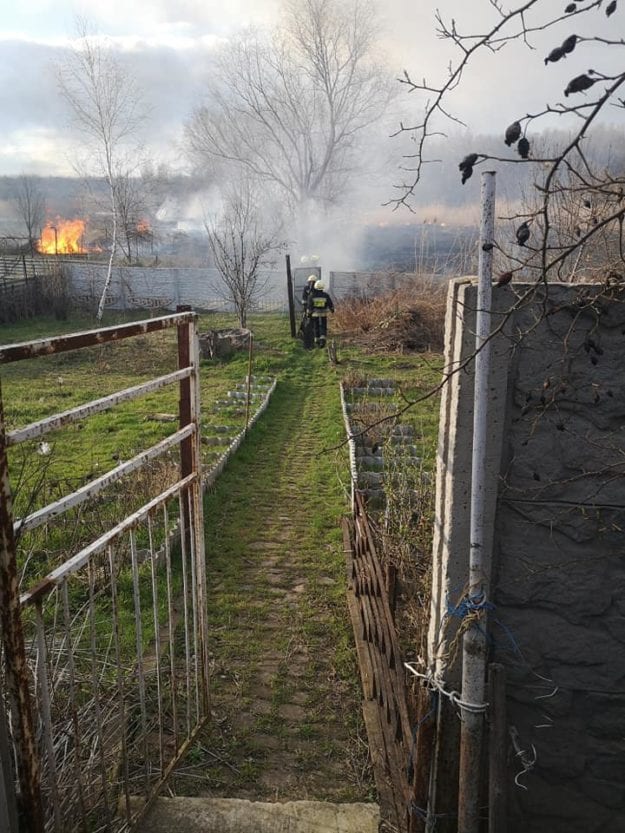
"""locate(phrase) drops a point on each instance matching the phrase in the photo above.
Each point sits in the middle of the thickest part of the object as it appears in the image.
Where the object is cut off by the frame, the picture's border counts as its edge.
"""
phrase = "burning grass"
(405, 320)
(62, 237)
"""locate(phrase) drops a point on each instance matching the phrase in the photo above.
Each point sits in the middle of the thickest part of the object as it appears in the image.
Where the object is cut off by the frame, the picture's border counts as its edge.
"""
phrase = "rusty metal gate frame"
(86, 723)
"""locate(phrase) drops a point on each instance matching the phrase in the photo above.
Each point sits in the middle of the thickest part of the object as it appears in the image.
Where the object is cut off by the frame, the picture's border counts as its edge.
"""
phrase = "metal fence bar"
(195, 592)
(136, 596)
(88, 338)
(185, 596)
(185, 408)
(43, 426)
(157, 643)
(96, 699)
(77, 561)
(120, 683)
(95, 486)
(46, 716)
(197, 511)
(71, 672)
(170, 630)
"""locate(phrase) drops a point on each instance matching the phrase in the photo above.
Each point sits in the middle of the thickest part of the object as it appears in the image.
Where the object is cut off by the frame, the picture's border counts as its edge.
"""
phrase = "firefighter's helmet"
(320, 285)
(311, 278)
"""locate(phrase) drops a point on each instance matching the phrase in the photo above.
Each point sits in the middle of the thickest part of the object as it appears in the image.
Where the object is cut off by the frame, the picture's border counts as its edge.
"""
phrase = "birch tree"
(289, 109)
(107, 109)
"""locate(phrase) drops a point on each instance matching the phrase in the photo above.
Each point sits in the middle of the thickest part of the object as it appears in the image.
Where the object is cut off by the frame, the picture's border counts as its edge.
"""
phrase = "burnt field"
(420, 247)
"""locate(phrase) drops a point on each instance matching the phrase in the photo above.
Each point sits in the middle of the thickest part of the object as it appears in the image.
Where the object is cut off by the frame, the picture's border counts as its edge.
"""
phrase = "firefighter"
(306, 325)
(308, 288)
(319, 302)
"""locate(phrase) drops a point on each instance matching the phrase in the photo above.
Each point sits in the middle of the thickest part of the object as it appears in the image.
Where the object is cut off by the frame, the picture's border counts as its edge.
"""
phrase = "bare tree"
(31, 207)
(108, 109)
(289, 110)
(576, 200)
(241, 247)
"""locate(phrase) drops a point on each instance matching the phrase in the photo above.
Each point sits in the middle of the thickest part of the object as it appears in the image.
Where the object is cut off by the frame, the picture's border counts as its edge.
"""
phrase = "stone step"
(380, 383)
(234, 815)
(377, 391)
(370, 461)
(370, 479)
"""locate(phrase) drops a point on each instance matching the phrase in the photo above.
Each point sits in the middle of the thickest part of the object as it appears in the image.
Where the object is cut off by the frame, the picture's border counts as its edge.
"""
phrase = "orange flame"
(62, 237)
(143, 227)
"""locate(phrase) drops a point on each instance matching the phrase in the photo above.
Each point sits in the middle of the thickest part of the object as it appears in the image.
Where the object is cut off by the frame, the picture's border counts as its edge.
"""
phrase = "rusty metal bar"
(157, 643)
(171, 628)
(197, 514)
(90, 489)
(136, 596)
(15, 666)
(96, 697)
(185, 596)
(71, 672)
(43, 426)
(88, 338)
(120, 684)
(195, 592)
(46, 716)
(72, 565)
(185, 408)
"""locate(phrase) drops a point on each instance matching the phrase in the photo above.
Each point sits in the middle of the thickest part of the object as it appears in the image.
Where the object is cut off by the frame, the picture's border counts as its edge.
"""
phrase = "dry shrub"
(408, 319)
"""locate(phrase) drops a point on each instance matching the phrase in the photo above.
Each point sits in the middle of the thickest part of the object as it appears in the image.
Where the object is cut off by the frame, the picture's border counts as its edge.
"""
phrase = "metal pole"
(497, 820)
(198, 519)
(184, 409)
(289, 286)
(474, 649)
(423, 750)
(17, 674)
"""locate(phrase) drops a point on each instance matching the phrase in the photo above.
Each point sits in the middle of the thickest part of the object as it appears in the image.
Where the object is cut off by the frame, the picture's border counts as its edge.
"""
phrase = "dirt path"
(286, 698)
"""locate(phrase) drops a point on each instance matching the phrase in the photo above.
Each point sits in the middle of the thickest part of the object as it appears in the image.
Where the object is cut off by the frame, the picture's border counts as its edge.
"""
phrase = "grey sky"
(167, 45)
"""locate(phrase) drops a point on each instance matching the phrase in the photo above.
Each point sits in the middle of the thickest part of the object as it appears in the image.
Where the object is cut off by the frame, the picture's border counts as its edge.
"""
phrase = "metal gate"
(105, 666)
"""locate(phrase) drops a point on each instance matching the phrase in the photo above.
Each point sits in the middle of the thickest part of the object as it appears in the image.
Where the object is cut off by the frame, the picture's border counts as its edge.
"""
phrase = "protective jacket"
(319, 303)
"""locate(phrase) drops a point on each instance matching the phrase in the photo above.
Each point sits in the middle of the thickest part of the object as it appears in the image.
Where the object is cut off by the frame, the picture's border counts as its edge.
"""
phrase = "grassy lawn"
(36, 388)
(33, 389)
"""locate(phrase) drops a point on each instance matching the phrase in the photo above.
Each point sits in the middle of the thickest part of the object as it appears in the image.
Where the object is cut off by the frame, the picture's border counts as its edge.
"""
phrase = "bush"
(408, 319)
